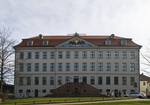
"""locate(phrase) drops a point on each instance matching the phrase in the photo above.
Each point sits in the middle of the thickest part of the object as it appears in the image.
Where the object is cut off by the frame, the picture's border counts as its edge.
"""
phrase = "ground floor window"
(124, 92)
(108, 92)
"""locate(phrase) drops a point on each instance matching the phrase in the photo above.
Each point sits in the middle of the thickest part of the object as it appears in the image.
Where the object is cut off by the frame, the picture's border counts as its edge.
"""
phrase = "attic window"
(108, 42)
(123, 42)
(45, 43)
(30, 43)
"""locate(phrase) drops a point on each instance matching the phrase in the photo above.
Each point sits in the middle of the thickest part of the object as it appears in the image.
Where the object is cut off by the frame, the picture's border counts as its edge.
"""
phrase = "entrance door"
(36, 93)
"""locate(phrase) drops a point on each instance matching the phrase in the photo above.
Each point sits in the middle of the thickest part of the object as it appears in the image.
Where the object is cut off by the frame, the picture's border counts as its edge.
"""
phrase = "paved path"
(137, 99)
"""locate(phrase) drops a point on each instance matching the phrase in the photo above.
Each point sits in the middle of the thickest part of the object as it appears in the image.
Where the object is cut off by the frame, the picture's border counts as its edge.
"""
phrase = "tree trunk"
(2, 81)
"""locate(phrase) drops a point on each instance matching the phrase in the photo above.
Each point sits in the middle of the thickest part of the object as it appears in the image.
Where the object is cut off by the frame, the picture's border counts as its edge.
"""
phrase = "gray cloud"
(128, 18)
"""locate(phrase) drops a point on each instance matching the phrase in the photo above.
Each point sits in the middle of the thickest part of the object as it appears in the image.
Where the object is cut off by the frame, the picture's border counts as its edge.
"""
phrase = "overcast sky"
(126, 18)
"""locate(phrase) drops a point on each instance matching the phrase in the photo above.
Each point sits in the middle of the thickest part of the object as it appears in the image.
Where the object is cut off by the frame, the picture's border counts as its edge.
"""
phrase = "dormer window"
(108, 42)
(30, 43)
(45, 43)
(123, 42)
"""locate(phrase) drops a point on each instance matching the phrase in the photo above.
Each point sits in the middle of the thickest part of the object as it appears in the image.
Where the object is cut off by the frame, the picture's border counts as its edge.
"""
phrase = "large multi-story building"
(110, 64)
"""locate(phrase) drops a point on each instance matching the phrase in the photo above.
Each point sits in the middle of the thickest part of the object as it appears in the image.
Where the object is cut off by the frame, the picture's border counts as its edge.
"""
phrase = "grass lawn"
(55, 100)
(122, 103)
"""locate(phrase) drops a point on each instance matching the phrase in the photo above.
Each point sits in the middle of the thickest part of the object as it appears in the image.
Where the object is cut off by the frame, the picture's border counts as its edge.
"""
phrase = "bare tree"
(147, 58)
(146, 61)
(6, 56)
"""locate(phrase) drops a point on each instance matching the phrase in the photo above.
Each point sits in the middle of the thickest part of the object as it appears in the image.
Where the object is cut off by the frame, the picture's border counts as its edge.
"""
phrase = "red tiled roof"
(57, 39)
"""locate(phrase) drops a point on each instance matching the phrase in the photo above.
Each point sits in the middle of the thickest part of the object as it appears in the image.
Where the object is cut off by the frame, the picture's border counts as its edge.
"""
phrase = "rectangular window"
(51, 80)
(20, 91)
(36, 67)
(36, 80)
(144, 83)
(116, 66)
(100, 55)
(52, 55)
(76, 66)
(76, 54)
(124, 91)
(116, 54)
(21, 67)
(68, 54)
(132, 81)
(84, 79)
(37, 55)
(108, 54)
(29, 55)
(108, 65)
(116, 82)
(132, 67)
(20, 81)
(59, 80)
(108, 42)
(44, 55)
(124, 55)
(92, 66)
(21, 56)
(100, 66)
(67, 79)
(30, 43)
(60, 67)
(84, 54)
(100, 80)
(132, 55)
(124, 66)
(28, 80)
(92, 80)
(67, 66)
(44, 90)
(44, 66)
(92, 55)
(84, 66)
(45, 43)
(44, 80)
(123, 42)
(124, 80)
(52, 66)
(60, 54)
(28, 67)
(100, 91)
(107, 80)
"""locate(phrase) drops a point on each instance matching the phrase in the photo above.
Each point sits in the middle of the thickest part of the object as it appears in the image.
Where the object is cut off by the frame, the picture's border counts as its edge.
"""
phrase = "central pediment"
(75, 42)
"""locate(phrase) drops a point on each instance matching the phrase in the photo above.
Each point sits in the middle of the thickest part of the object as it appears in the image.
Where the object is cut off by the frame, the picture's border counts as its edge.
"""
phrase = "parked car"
(137, 95)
